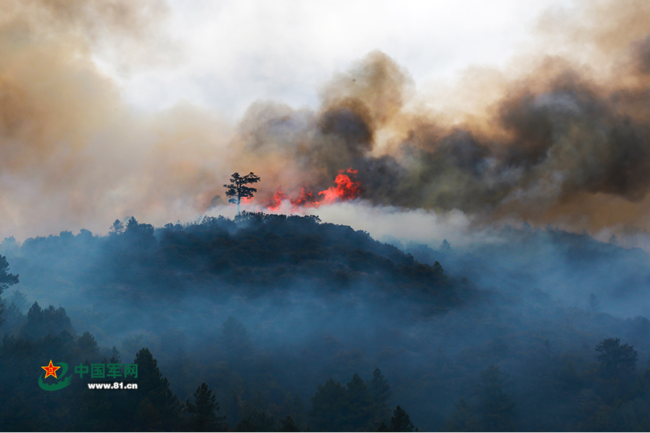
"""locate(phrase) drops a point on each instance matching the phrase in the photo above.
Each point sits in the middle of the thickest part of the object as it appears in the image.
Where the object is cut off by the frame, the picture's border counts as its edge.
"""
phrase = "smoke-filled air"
(467, 252)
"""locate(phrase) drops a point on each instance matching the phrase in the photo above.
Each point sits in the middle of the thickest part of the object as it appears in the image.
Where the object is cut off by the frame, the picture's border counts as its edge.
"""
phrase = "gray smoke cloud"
(559, 136)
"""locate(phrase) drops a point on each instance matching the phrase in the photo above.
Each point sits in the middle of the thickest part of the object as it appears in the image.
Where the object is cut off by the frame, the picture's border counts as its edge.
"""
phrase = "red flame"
(345, 189)
(306, 199)
(277, 200)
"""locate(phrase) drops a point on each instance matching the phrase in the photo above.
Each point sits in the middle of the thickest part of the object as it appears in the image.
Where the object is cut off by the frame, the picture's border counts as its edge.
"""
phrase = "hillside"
(254, 255)
(290, 317)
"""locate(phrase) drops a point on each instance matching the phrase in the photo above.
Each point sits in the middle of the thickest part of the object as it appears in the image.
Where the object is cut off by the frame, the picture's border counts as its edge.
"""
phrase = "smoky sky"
(560, 135)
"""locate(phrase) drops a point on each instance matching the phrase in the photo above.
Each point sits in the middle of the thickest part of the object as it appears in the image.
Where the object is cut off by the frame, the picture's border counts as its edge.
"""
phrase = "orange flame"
(277, 199)
(306, 199)
(345, 189)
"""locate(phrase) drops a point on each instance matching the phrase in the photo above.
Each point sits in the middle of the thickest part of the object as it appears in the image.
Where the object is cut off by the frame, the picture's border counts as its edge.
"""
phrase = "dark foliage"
(6, 279)
(237, 188)
(616, 360)
(287, 322)
(463, 418)
(252, 256)
(204, 410)
(400, 421)
(495, 406)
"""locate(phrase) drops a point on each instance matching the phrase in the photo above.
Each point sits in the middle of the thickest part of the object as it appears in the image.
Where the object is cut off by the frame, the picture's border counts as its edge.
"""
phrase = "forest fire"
(345, 189)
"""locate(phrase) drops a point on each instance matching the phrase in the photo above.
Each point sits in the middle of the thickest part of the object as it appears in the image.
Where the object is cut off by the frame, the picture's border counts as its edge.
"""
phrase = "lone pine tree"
(237, 188)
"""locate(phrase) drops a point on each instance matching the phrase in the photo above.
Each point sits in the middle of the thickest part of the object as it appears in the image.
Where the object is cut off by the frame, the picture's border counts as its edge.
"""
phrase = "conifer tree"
(359, 406)
(327, 406)
(380, 391)
(6, 280)
(616, 360)
(237, 188)
(204, 410)
(288, 425)
(158, 407)
(401, 421)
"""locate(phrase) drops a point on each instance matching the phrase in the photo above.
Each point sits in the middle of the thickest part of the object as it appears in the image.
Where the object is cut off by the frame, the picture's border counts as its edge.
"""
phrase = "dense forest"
(285, 323)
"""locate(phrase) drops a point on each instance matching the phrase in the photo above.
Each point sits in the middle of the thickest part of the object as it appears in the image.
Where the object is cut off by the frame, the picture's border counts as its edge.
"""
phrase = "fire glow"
(345, 189)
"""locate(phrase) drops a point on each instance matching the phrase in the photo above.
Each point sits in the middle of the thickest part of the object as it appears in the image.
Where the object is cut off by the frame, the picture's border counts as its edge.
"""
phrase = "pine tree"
(359, 406)
(117, 228)
(616, 360)
(237, 188)
(594, 303)
(88, 344)
(204, 410)
(6, 280)
(287, 425)
(327, 406)
(380, 391)
(255, 417)
(158, 406)
(401, 421)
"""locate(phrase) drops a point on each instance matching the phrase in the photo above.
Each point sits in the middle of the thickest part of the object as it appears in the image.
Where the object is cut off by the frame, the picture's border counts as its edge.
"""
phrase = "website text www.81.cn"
(114, 385)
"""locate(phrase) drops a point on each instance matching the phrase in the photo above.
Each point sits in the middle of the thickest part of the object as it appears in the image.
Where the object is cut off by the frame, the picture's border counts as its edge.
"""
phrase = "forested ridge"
(284, 323)
(255, 254)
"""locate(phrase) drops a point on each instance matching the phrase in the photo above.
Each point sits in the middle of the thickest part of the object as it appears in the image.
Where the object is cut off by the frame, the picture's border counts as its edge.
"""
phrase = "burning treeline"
(561, 135)
(562, 140)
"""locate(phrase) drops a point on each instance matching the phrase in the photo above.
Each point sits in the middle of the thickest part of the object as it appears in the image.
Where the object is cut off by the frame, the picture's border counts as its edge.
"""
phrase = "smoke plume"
(560, 136)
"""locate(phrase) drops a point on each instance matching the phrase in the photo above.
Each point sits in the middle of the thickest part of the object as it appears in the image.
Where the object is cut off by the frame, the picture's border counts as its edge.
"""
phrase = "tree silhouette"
(255, 416)
(6, 280)
(380, 391)
(400, 421)
(594, 303)
(288, 425)
(157, 406)
(116, 228)
(359, 406)
(616, 359)
(204, 410)
(327, 405)
(237, 188)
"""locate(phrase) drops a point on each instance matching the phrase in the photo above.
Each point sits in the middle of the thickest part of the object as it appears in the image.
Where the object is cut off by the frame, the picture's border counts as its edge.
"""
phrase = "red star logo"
(50, 370)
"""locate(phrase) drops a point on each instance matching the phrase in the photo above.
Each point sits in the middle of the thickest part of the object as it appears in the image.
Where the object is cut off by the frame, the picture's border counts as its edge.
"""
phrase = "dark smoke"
(559, 136)
(556, 136)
